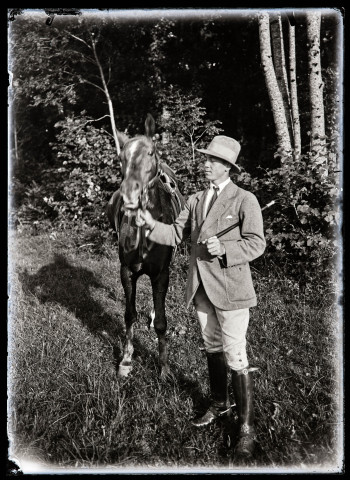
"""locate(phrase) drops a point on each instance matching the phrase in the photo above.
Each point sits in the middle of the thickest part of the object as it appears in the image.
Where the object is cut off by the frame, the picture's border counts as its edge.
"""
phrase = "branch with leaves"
(104, 87)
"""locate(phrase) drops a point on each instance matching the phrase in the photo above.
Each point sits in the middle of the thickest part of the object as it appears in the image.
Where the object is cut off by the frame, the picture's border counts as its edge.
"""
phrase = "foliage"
(55, 78)
(185, 128)
(88, 167)
(303, 228)
(86, 171)
(79, 184)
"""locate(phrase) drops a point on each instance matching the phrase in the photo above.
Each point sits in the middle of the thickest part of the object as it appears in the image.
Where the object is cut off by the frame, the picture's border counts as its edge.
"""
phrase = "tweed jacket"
(227, 281)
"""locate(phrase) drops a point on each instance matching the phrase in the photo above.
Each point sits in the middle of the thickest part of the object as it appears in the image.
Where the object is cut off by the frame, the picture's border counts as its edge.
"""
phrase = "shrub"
(88, 168)
(185, 128)
(302, 229)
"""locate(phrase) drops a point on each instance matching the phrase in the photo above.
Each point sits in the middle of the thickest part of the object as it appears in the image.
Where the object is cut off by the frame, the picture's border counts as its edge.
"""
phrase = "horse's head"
(139, 164)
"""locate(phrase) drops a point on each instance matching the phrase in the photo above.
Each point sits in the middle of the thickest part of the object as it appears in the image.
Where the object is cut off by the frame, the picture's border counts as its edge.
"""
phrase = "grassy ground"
(68, 409)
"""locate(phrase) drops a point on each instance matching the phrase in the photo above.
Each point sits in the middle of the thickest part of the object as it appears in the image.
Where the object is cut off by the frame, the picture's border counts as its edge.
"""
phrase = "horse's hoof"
(124, 370)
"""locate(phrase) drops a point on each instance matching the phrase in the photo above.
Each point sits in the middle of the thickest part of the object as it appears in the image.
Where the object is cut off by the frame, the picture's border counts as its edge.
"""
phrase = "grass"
(69, 410)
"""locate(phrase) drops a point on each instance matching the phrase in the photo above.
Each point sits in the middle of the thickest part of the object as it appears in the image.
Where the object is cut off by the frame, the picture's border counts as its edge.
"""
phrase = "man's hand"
(215, 247)
(144, 217)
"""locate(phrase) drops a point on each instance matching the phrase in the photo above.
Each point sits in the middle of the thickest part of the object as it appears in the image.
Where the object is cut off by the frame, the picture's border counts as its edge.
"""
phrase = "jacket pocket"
(228, 220)
(239, 283)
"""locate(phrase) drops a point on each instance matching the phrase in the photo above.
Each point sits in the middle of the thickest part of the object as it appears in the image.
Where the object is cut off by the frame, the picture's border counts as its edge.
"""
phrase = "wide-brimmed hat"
(226, 148)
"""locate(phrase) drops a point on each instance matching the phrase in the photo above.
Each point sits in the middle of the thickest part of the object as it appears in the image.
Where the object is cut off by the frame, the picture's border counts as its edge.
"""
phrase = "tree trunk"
(318, 141)
(294, 90)
(109, 100)
(280, 67)
(277, 106)
(15, 141)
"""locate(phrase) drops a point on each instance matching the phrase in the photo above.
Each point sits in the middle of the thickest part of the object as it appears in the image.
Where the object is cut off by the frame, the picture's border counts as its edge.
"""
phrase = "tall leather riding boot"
(242, 384)
(220, 404)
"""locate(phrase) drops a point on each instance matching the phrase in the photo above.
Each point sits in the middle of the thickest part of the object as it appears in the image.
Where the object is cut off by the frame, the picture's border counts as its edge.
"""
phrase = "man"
(219, 279)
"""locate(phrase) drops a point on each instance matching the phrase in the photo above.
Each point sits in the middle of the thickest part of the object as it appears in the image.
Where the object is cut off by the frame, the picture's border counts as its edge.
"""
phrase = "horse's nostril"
(137, 186)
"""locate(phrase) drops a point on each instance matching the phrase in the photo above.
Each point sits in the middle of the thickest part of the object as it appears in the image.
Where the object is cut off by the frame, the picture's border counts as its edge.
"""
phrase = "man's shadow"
(71, 287)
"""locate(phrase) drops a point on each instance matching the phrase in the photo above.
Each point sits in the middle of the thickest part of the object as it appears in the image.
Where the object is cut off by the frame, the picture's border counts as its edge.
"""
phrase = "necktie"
(213, 198)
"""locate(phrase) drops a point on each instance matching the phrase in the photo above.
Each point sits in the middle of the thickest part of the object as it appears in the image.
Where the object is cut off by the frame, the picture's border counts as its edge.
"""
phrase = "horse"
(146, 183)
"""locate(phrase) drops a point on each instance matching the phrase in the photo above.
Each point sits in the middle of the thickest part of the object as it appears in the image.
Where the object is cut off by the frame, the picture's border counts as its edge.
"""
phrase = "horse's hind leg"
(129, 284)
(159, 290)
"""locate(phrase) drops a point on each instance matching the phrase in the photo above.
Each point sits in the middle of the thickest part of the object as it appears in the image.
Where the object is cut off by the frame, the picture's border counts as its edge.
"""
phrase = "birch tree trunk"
(119, 137)
(276, 100)
(280, 67)
(108, 97)
(294, 90)
(318, 141)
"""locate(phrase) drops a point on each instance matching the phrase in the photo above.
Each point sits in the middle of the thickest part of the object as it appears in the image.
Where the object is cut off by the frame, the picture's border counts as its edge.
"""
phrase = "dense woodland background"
(270, 79)
(75, 81)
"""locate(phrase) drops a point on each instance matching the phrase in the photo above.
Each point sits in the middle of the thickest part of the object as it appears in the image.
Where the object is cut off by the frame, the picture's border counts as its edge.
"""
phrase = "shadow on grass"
(70, 286)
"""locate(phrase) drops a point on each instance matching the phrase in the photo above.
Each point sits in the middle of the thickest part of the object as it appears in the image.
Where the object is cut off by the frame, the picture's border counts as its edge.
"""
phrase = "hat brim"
(222, 157)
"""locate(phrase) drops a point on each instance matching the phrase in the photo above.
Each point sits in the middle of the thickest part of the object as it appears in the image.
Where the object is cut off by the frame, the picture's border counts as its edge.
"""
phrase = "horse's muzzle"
(131, 190)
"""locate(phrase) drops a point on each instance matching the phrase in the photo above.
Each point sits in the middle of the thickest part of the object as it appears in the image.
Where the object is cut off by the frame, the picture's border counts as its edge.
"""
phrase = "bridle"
(144, 197)
(140, 240)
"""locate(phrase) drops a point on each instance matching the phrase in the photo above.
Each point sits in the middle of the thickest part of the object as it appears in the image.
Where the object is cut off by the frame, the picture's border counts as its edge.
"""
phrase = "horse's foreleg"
(129, 284)
(159, 289)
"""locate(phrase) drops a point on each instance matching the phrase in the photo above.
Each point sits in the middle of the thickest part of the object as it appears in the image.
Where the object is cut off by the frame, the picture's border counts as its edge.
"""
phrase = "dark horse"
(147, 183)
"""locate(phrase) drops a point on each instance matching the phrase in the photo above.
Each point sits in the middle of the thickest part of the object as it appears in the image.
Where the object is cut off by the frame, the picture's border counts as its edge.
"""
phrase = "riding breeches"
(223, 330)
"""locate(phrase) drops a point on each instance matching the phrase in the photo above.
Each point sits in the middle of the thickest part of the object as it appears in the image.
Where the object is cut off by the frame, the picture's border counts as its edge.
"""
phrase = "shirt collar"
(221, 185)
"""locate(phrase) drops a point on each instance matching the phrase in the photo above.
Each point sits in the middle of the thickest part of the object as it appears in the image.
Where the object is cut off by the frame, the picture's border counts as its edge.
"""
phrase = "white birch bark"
(318, 143)
(294, 90)
(108, 97)
(280, 67)
(277, 106)
(118, 136)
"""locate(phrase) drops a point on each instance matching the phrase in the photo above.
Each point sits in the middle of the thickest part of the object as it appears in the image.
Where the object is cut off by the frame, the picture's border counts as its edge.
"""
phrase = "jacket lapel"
(218, 207)
(200, 208)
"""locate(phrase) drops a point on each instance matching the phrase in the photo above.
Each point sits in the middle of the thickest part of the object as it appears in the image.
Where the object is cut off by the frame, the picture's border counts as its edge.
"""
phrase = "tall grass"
(68, 409)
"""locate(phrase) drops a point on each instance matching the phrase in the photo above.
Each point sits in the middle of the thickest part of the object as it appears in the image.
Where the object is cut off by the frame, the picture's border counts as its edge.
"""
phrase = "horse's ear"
(150, 125)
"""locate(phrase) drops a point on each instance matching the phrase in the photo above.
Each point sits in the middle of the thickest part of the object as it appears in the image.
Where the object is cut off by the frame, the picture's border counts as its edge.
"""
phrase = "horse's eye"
(151, 153)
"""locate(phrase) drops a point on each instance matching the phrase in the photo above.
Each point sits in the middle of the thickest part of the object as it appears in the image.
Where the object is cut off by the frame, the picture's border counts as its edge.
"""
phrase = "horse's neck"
(161, 204)
(155, 203)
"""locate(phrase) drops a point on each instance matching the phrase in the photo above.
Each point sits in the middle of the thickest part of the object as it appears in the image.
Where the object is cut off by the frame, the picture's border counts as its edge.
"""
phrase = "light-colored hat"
(226, 148)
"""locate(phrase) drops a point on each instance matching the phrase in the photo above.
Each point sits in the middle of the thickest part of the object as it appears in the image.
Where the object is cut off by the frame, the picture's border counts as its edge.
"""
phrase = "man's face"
(216, 170)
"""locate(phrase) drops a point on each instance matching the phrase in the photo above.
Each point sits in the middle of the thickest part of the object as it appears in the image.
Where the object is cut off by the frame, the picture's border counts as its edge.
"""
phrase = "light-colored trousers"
(223, 330)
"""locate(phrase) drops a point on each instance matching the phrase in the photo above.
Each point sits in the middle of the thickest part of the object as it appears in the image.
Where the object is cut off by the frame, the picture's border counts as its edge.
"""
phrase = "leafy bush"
(185, 128)
(88, 168)
(79, 184)
(302, 229)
